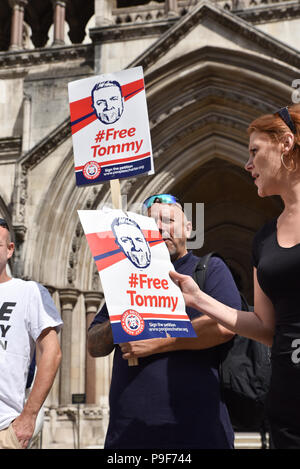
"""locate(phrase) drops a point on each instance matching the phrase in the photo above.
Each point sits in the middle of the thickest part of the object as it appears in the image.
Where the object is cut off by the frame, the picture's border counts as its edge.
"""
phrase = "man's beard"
(141, 259)
(109, 117)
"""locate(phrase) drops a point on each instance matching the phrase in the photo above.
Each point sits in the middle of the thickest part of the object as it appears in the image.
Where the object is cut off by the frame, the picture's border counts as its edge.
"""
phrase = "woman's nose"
(249, 165)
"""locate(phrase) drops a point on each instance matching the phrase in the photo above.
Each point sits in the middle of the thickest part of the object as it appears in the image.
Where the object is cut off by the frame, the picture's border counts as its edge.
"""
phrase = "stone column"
(92, 302)
(103, 12)
(16, 35)
(26, 123)
(59, 7)
(171, 8)
(238, 5)
(68, 299)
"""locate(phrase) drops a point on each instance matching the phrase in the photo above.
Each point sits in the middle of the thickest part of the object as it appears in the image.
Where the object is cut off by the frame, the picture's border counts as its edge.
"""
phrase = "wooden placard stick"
(117, 204)
(116, 193)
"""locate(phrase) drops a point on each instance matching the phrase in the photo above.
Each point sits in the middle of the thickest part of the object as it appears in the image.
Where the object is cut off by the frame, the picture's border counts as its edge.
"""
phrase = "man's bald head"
(174, 227)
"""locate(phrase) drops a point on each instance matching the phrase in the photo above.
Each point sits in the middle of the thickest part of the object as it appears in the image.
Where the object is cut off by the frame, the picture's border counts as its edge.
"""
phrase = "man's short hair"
(4, 224)
(106, 84)
(123, 221)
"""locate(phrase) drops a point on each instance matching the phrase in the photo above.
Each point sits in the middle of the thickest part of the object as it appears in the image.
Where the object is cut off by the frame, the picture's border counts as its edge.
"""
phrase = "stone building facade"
(210, 68)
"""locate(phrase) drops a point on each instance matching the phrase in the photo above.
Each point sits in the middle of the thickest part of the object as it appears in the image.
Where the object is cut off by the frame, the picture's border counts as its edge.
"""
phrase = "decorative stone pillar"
(19, 231)
(68, 299)
(171, 7)
(16, 35)
(59, 7)
(92, 302)
(103, 12)
(26, 123)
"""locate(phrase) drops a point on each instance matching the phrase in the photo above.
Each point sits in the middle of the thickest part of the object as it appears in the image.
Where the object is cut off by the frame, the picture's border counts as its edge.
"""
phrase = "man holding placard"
(172, 398)
(134, 264)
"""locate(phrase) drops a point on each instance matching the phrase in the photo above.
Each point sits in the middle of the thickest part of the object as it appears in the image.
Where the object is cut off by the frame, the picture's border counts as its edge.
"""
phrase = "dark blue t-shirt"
(172, 400)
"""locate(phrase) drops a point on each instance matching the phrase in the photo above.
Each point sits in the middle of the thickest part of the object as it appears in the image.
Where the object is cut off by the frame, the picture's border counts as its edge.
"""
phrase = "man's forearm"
(47, 366)
(48, 355)
(100, 340)
(209, 335)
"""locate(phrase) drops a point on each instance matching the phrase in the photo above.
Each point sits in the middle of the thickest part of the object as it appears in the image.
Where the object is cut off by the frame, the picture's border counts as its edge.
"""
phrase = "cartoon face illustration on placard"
(108, 102)
(130, 238)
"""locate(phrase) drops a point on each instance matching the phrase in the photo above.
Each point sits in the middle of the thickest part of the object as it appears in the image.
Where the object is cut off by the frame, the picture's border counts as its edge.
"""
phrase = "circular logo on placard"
(132, 322)
(91, 170)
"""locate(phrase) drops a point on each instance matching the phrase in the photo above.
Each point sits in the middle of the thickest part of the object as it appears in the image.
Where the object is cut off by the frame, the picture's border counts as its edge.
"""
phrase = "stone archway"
(233, 213)
(200, 106)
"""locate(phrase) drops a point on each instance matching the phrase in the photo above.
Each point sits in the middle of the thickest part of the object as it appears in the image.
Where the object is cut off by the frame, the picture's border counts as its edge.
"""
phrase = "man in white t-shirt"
(28, 321)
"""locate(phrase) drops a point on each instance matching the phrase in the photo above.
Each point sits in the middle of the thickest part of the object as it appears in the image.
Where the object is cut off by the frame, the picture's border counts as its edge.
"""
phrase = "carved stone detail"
(10, 148)
(255, 11)
(205, 10)
(67, 412)
(41, 56)
(128, 31)
(260, 13)
(73, 256)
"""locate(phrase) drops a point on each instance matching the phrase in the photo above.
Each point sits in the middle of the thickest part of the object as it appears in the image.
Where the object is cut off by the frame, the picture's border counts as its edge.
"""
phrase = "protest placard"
(134, 263)
(110, 127)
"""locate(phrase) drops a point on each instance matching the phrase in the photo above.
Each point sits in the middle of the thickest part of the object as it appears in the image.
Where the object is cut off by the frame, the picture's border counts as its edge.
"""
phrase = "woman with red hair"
(274, 163)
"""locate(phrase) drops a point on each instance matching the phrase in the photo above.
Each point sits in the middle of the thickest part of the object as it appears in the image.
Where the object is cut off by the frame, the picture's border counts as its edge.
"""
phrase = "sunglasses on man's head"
(4, 223)
(161, 199)
(286, 117)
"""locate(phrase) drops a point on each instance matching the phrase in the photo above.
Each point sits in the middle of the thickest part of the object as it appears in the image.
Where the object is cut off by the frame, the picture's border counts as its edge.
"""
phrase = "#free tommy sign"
(110, 127)
(134, 264)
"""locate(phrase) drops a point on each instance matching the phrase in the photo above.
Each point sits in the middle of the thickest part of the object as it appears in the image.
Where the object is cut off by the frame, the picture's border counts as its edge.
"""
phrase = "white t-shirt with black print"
(26, 309)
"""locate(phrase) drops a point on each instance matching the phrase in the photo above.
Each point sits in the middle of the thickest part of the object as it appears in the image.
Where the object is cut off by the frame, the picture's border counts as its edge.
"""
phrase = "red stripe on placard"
(152, 236)
(80, 125)
(121, 160)
(131, 89)
(81, 110)
(152, 316)
(109, 261)
(103, 244)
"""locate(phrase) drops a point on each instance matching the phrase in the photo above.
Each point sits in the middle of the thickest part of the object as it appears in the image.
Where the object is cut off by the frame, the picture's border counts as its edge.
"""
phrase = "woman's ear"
(288, 142)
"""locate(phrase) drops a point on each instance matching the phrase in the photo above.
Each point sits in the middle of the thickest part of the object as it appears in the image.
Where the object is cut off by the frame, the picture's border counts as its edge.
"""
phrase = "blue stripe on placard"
(166, 326)
(124, 170)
